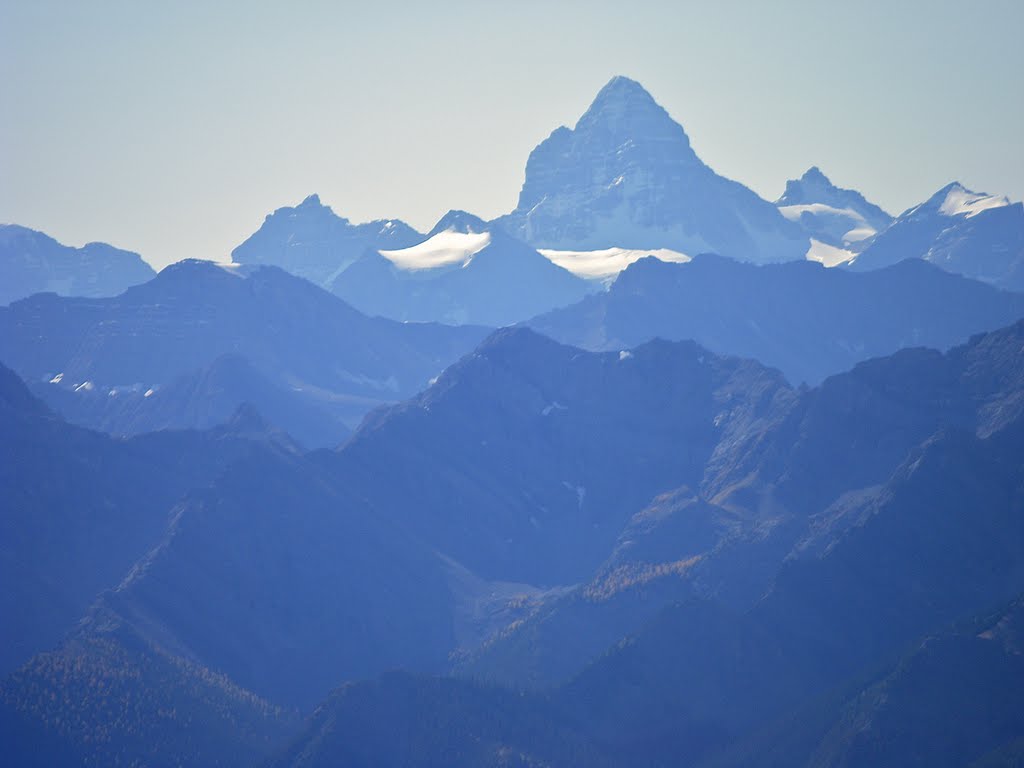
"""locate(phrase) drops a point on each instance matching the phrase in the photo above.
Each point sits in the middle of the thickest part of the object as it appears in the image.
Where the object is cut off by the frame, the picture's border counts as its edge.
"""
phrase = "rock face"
(842, 218)
(627, 177)
(971, 233)
(31, 262)
(465, 271)
(312, 241)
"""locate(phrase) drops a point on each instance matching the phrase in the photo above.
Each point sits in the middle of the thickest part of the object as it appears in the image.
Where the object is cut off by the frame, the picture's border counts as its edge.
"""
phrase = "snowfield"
(441, 250)
(607, 263)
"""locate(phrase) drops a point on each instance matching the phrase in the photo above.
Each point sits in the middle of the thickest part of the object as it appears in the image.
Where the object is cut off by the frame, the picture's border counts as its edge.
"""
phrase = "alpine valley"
(649, 471)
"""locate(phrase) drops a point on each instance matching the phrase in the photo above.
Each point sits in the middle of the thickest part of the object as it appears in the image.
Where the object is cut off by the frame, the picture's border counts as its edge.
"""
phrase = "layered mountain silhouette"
(303, 340)
(291, 574)
(32, 262)
(820, 459)
(627, 176)
(762, 546)
(687, 508)
(851, 656)
(806, 320)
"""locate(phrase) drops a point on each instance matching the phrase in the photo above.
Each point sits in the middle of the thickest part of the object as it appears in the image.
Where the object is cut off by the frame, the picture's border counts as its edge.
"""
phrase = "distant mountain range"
(31, 262)
(806, 320)
(624, 183)
(315, 353)
(716, 509)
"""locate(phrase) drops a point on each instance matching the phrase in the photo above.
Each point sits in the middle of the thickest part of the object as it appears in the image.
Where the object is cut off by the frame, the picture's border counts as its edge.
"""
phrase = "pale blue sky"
(173, 128)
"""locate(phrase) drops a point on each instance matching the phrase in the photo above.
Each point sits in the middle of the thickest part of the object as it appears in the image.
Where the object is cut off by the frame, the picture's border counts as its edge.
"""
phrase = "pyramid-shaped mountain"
(626, 176)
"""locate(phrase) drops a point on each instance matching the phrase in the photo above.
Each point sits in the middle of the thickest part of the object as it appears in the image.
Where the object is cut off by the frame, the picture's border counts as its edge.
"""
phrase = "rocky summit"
(626, 176)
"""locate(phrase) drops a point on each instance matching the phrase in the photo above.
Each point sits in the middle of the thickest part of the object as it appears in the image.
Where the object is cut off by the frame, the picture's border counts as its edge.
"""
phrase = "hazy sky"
(173, 128)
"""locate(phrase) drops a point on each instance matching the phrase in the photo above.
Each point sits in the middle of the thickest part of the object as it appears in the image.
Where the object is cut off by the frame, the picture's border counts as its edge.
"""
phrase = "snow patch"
(57, 379)
(859, 234)
(149, 393)
(441, 250)
(829, 255)
(231, 268)
(963, 202)
(85, 386)
(555, 406)
(859, 230)
(625, 355)
(607, 263)
(794, 212)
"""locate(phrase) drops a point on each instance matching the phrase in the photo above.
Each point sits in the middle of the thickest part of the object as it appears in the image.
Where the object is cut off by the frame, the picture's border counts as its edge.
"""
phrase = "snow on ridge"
(962, 202)
(794, 212)
(858, 234)
(441, 250)
(860, 229)
(606, 263)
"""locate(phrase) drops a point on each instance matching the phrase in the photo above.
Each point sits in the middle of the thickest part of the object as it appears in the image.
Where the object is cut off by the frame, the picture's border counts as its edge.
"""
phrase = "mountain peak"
(311, 201)
(813, 187)
(831, 214)
(955, 199)
(622, 87)
(626, 177)
(460, 221)
(814, 175)
(625, 109)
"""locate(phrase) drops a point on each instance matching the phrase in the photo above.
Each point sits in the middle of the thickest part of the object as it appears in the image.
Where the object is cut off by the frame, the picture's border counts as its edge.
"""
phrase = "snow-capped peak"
(960, 201)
